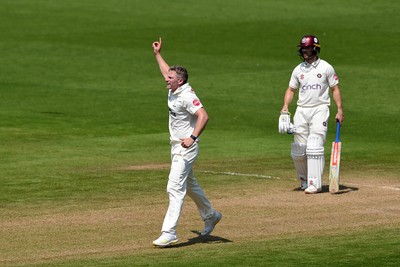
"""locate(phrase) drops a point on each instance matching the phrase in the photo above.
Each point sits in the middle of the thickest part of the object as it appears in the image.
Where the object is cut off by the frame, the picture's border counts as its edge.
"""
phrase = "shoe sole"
(166, 244)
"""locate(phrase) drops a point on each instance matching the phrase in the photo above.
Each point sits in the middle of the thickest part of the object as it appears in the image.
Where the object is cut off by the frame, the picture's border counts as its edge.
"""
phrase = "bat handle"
(337, 131)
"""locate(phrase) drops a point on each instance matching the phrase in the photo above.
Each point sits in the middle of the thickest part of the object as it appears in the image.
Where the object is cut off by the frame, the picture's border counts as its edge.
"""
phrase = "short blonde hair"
(181, 72)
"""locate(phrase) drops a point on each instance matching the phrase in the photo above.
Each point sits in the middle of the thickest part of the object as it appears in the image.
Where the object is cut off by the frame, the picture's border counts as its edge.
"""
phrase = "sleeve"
(331, 76)
(192, 103)
(294, 81)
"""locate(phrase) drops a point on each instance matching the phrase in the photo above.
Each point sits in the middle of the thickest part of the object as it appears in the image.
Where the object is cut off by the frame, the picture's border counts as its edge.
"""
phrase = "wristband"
(193, 137)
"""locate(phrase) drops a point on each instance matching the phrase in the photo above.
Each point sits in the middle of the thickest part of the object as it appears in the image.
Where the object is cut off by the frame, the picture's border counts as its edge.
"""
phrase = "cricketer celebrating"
(187, 120)
(312, 79)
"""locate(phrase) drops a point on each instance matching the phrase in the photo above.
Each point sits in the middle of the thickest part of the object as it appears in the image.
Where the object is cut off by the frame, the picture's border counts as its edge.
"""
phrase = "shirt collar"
(314, 64)
(182, 88)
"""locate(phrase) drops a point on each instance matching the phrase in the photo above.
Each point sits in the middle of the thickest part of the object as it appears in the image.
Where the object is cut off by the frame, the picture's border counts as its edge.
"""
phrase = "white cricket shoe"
(165, 240)
(210, 223)
(312, 190)
(303, 183)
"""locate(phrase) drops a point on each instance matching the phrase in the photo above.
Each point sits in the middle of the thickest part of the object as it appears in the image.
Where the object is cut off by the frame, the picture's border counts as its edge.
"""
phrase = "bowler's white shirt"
(313, 82)
(182, 104)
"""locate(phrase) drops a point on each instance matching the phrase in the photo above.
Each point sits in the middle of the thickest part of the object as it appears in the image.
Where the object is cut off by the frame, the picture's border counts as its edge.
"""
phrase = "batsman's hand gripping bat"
(335, 162)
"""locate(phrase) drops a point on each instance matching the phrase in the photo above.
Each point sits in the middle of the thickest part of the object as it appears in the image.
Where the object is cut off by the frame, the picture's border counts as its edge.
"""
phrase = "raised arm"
(164, 67)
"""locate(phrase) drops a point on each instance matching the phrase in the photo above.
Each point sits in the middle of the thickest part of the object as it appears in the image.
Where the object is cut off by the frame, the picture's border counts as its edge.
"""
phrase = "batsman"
(313, 78)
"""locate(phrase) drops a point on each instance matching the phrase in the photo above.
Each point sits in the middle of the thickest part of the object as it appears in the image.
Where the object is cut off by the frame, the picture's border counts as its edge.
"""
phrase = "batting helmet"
(309, 41)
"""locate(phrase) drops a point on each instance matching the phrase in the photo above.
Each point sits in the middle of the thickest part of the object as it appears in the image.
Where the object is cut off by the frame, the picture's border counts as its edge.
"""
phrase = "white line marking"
(244, 174)
(382, 187)
(391, 188)
(278, 178)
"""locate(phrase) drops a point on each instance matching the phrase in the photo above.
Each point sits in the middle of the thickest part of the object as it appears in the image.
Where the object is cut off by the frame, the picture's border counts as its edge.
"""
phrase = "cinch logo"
(316, 86)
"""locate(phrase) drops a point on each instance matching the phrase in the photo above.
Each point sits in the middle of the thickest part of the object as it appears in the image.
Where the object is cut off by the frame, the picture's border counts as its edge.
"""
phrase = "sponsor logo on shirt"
(307, 87)
(196, 102)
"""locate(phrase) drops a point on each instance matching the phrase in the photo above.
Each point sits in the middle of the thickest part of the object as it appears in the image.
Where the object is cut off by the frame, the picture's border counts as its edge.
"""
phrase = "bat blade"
(334, 170)
(335, 167)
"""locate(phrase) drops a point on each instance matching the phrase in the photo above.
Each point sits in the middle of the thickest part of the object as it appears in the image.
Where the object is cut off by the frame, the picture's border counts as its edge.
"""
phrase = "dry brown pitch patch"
(261, 210)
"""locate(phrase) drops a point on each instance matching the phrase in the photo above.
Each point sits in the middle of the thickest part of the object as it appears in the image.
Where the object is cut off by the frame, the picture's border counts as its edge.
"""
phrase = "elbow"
(206, 118)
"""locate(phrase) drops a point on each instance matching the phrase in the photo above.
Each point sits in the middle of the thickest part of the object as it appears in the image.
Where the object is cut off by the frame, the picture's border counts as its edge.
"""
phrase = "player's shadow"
(201, 239)
(342, 189)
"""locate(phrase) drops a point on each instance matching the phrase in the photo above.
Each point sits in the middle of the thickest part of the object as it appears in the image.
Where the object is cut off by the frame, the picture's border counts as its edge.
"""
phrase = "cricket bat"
(335, 162)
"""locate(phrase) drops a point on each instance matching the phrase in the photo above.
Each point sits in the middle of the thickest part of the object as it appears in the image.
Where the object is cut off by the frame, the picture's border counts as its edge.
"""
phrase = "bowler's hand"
(187, 142)
(157, 46)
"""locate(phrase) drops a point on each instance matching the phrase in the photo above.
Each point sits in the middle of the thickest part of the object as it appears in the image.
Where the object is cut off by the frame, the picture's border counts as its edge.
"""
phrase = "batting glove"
(284, 122)
(292, 129)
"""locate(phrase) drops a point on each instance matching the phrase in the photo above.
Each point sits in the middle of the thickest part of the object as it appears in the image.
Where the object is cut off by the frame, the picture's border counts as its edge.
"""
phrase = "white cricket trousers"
(309, 121)
(311, 127)
(181, 181)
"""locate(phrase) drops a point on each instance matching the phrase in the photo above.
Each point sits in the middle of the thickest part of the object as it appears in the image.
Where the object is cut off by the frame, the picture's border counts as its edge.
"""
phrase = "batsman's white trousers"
(309, 121)
(181, 182)
(311, 127)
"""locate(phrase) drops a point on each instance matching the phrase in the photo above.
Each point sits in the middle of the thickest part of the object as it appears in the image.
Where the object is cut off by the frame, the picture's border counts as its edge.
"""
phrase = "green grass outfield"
(82, 99)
